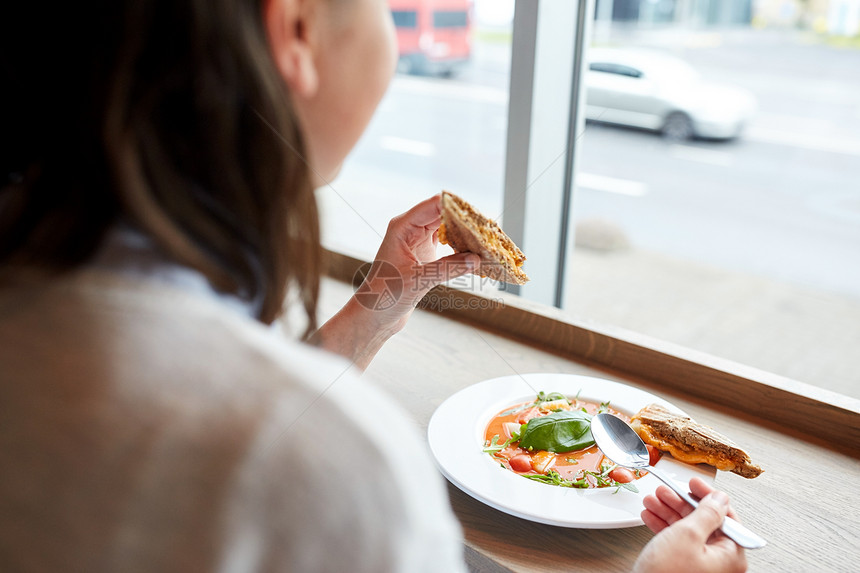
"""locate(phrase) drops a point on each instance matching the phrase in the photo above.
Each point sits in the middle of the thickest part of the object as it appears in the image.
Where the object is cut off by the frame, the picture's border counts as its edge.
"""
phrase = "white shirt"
(148, 425)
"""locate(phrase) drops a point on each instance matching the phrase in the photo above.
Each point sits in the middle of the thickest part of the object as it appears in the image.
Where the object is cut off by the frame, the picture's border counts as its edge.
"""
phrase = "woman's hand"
(689, 540)
(409, 248)
(404, 270)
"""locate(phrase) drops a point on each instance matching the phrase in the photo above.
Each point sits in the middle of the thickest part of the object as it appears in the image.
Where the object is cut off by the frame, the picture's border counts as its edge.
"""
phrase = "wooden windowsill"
(795, 407)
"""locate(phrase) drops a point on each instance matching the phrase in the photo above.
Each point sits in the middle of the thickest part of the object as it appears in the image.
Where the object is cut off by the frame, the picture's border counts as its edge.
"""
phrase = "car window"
(405, 18)
(450, 19)
(616, 69)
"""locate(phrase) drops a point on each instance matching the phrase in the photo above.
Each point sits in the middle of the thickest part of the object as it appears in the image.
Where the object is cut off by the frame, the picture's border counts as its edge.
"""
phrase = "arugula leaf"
(559, 432)
(627, 486)
(552, 477)
(539, 399)
(604, 480)
(494, 447)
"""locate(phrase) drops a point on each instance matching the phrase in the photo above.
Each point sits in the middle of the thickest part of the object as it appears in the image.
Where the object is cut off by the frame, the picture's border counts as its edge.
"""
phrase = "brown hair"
(169, 114)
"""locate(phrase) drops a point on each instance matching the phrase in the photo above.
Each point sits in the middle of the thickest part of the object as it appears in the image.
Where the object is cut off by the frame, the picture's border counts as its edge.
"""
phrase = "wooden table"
(806, 504)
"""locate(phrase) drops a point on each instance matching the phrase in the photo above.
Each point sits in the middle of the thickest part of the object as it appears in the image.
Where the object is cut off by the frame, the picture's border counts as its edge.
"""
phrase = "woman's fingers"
(708, 517)
(653, 521)
(661, 509)
(665, 507)
(700, 489)
(424, 214)
(672, 500)
(446, 268)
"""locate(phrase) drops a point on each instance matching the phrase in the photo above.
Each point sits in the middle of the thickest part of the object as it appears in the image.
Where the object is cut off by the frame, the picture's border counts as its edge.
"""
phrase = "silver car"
(655, 91)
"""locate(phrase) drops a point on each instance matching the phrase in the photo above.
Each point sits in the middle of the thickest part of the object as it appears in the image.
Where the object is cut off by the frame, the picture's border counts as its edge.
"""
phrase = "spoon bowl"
(621, 444)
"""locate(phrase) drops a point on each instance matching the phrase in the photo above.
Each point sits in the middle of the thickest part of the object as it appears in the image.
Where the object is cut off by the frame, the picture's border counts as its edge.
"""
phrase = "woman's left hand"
(404, 270)
(689, 540)
(408, 251)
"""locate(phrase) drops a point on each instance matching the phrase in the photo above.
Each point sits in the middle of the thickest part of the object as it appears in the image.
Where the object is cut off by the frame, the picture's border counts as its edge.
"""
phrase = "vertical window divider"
(544, 119)
(584, 18)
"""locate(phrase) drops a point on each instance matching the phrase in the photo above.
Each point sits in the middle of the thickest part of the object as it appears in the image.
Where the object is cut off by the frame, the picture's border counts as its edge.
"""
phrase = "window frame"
(545, 119)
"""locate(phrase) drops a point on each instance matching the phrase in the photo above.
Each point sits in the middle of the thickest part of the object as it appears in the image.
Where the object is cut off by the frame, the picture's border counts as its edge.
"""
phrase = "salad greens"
(558, 432)
(602, 479)
(494, 447)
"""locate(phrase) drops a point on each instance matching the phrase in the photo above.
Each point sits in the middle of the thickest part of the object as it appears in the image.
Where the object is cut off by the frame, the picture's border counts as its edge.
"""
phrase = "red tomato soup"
(582, 468)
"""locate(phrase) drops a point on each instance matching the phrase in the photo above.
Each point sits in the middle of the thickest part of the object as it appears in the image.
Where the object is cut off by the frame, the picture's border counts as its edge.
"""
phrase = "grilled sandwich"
(467, 230)
(690, 442)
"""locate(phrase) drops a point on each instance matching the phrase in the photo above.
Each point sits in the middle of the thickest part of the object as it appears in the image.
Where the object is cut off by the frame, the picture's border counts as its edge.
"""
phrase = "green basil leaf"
(559, 432)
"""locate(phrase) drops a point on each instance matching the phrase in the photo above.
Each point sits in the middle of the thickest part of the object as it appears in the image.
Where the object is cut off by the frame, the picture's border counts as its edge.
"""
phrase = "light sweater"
(148, 425)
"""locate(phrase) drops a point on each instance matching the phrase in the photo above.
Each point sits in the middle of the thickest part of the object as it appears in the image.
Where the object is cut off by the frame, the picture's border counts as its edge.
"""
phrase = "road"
(781, 202)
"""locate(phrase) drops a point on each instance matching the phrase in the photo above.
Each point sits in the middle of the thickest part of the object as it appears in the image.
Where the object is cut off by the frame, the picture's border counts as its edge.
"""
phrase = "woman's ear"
(290, 25)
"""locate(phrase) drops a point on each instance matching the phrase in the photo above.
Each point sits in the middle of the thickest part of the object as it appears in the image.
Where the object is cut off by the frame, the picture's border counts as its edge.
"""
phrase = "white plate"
(456, 435)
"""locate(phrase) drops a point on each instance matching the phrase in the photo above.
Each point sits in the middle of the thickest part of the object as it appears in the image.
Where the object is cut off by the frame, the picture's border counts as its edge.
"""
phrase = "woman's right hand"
(688, 540)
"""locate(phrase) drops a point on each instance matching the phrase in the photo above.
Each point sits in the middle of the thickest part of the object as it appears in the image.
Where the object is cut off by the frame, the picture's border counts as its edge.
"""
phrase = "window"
(715, 204)
(719, 208)
(405, 18)
(450, 19)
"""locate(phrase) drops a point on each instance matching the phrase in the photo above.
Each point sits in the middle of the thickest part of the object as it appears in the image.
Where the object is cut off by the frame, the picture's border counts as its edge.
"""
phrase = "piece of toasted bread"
(690, 442)
(466, 230)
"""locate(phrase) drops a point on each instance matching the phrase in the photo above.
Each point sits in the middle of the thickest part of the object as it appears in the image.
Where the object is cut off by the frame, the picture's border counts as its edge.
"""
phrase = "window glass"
(716, 199)
(442, 125)
(405, 18)
(717, 202)
(450, 19)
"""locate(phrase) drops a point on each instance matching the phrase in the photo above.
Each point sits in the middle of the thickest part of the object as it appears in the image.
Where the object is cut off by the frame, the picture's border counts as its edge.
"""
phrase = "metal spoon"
(621, 444)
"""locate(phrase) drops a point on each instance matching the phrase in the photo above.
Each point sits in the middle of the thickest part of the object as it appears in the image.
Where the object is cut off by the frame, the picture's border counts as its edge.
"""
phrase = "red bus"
(433, 36)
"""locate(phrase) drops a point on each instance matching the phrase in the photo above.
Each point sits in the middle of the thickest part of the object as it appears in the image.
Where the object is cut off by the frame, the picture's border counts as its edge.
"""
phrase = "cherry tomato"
(521, 463)
(621, 475)
(653, 454)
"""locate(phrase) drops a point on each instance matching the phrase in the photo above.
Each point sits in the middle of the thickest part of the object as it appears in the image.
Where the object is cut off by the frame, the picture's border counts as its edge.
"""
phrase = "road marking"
(709, 156)
(449, 89)
(611, 184)
(815, 142)
(410, 146)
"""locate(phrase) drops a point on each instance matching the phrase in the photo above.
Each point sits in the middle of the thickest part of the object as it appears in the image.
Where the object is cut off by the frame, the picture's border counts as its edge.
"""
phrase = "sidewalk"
(800, 333)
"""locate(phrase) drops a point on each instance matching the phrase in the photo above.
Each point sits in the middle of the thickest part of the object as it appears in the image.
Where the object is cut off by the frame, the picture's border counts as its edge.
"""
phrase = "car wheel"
(678, 127)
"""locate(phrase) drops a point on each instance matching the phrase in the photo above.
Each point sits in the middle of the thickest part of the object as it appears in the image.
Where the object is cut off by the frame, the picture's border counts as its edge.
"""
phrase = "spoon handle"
(733, 529)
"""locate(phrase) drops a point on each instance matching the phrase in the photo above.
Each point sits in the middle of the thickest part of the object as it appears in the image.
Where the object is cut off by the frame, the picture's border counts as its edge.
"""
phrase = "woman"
(160, 158)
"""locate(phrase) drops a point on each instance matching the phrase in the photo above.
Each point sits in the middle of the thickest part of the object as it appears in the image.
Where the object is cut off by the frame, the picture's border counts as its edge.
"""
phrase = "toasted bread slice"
(466, 230)
(690, 442)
